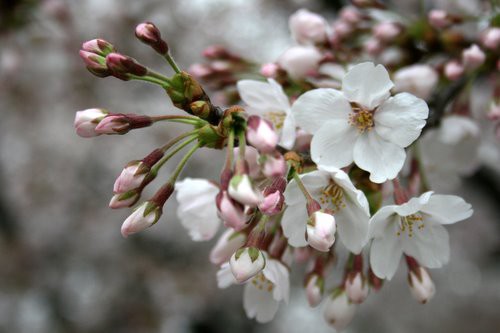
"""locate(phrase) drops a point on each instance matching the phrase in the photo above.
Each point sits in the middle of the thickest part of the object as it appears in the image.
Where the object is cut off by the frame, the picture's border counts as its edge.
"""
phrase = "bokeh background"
(64, 266)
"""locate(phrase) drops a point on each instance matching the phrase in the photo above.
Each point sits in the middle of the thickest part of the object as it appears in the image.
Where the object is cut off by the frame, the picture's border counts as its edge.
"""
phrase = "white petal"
(454, 129)
(367, 84)
(385, 254)
(332, 145)
(381, 158)
(413, 205)
(312, 109)
(400, 119)
(259, 304)
(279, 95)
(447, 209)
(225, 277)
(314, 181)
(429, 245)
(352, 225)
(259, 96)
(381, 219)
(277, 273)
(343, 180)
(294, 224)
(288, 132)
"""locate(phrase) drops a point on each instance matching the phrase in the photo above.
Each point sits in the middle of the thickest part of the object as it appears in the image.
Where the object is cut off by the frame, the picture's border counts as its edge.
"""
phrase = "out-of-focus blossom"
(299, 61)
(308, 27)
(473, 57)
(419, 80)
(491, 38)
(339, 311)
(314, 290)
(421, 285)
(439, 18)
(453, 70)
(386, 31)
(356, 287)
(269, 70)
(228, 243)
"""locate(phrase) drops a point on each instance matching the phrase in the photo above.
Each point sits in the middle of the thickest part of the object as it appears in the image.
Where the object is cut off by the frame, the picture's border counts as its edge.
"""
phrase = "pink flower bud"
(98, 46)
(214, 52)
(269, 70)
(342, 29)
(123, 200)
(143, 217)
(122, 124)
(491, 38)
(261, 135)
(274, 165)
(242, 190)
(473, 57)
(230, 212)
(453, 70)
(314, 290)
(131, 177)
(200, 71)
(372, 46)
(351, 15)
(95, 63)
(308, 27)
(272, 203)
(386, 31)
(321, 230)
(246, 263)
(339, 311)
(252, 160)
(122, 66)
(439, 19)
(356, 287)
(149, 34)
(419, 80)
(226, 246)
(302, 254)
(299, 61)
(87, 120)
(421, 285)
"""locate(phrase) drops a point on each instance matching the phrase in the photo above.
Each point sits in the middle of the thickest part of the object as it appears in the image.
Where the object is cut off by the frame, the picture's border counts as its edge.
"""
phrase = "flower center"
(361, 118)
(408, 223)
(260, 282)
(276, 118)
(332, 194)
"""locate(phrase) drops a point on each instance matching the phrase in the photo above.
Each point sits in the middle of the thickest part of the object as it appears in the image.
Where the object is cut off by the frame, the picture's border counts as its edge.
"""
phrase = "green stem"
(172, 142)
(172, 63)
(193, 121)
(157, 166)
(230, 149)
(150, 79)
(158, 76)
(182, 163)
(241, 146)
(424, 184)
(302, 187)
(170, 117)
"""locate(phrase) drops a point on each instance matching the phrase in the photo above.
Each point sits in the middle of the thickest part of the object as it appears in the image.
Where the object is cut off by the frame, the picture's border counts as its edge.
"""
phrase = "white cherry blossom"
(268, 100)
(361, 123)
(416, 229)
(335, 191)
(197, 210)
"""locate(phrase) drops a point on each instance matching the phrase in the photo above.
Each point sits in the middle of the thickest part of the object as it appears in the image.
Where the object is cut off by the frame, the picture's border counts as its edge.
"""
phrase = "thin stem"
(158, 76)
(230, 149)
(170, 117)
(190, 121)
(241, 146)
(150, 79)
(302, 187)
(172, 142)
(172, 63)
(165, 158)
(182, 163)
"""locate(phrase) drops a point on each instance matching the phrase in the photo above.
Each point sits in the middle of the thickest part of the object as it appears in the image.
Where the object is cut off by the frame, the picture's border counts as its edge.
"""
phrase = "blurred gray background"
(64, 265)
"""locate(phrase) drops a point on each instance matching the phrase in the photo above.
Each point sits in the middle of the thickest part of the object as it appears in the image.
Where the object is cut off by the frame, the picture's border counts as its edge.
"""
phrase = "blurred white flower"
(421, 285)
(416, 229)
(299, 61)
(419, 80)
(308, 27)
(339, 311)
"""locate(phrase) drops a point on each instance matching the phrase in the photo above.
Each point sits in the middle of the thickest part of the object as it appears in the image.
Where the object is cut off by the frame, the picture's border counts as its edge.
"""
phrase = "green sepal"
(253, 253)
(209, 136)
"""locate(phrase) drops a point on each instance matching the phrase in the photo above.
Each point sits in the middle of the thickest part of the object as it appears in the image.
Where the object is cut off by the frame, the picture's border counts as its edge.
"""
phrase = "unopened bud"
(321, 230)
(274, 165)
(314, 290)
(421, 285)
(261, 135)
(473, 57)
(491, 38)
(95, 63)
(300, 61)
(122, 66)
(87, 120)
(339, 311)
(200, 109)
(122, 124)
(272, 203)
(123, 200)
(372, 46)
(149, 34)
(230, 211)
(242, 190)
(386, 31)
(99, 47)
(217, 52)
(438, 18)
(143, 217)
(356, 287)
(351, 15)
(246, 263)
(453, 70)
(308, 27)
(226, 246)
(131, 177)
(269, 70)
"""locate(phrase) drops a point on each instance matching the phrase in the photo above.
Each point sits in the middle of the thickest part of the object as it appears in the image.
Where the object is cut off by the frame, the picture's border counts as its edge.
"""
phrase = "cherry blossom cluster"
(331, 156)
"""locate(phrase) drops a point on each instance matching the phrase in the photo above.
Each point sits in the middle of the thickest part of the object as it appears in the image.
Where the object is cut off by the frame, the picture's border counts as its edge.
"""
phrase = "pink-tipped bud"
(95, 63)
(341, 29)
(439, 19)
(230, 211)
(386, 31)
(308, 27)
(491, 38)
(200, 71)
(99, 47)
(339, 311)
(149, 34)
(351, 15)
(473, 57)
(242, 190)
(142, 218)
(356, 287)
(314, 290)
(226, 246)
(269, 70)
(261, 134)
(273, 165)
(421, 285)
(122, 124)
(272, 203)
(299, 61)
(122, 66)
(131, 177)
(321, 230)
(86, 122)
(372, 46)
(123, 200)
(419, 80)
(453, 70)
(246, 263)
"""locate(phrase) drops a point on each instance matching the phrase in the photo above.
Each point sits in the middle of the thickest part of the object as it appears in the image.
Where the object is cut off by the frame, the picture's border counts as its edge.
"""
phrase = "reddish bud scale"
(278, 184)
(122, 66)
(312, 207)
(412, 264)
(375, 282)
(149, 34)
(162, 195)
(225, 178)
(153, 157)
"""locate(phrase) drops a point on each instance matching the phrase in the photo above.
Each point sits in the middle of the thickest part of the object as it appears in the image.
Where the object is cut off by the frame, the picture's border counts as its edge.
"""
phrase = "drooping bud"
(453, 70)
(438, 18)
(95, 63)
(321, 230)
(149, 34)
(491, 38)
(242, 190)
(122, 66)
(339, 311)
(314, 290)
(126, 199)
(230, 212)
(87, 120)
(421, 285)
(143, 217)
(272, 203)
(226, 246)
(356, 287)
(273, 165)
(99, 47)
(122, 123)
(246, 263)
(308, 27)
(473, 57)
(260, 134)
(130, 178)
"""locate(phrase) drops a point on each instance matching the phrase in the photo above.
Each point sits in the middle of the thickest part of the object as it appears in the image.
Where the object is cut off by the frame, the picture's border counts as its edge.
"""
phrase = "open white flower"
(335, 191)
(197, 210)
(268, 100)
(264, 292)
(416, 229)
(361, 123)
